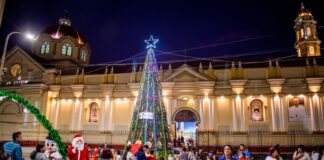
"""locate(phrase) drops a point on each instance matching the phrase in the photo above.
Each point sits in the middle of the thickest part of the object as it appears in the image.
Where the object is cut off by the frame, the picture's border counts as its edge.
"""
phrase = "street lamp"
(27, 35)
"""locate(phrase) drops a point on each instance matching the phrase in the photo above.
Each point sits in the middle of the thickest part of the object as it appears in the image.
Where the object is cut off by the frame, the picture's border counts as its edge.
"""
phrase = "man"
(78, 151)
(13, 149)
(296, 110)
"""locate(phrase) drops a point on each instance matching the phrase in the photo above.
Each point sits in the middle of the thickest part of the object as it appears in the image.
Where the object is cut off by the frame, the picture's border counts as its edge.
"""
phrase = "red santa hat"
(76, 138)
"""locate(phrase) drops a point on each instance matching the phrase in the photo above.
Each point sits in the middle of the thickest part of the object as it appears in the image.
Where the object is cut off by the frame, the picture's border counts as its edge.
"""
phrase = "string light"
(149, 118)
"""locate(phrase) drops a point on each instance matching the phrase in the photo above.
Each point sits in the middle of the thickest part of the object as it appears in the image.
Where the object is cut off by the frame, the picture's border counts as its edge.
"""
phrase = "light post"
(2, 70)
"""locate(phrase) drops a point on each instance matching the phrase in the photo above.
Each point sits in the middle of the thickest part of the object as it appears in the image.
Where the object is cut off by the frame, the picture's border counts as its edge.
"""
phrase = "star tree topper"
(151, 42)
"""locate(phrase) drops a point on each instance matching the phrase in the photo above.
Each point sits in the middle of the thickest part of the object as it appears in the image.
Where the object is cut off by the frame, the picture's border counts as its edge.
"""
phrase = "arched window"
(67, 49)
(256, 110)
(93, 114)
(308, 31)
(302, 33)
(83, 55)
(45, 48)
(311, 50)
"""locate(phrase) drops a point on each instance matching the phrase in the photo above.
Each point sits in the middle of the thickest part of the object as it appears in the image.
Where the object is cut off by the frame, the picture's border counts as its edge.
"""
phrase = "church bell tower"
(307, 43)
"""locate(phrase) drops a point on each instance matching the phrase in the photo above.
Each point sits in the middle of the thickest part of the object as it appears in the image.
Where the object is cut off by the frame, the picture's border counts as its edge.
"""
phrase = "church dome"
(62, 45)
(62, 29)
(304, 14)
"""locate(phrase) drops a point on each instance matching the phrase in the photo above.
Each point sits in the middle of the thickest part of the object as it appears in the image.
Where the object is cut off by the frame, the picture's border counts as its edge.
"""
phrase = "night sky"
(116, 30)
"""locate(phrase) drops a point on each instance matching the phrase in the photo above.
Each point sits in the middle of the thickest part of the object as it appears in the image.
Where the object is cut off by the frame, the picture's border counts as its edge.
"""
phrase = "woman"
(228, 153)
(95, 154)
(274, 154)
(316, 153)
(300, 154)
(40, 152)
(129, 155)
(40, 149)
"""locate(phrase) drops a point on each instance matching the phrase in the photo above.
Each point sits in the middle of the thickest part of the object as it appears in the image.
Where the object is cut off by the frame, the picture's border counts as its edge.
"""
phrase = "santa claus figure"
(78, 151)
(52, 152)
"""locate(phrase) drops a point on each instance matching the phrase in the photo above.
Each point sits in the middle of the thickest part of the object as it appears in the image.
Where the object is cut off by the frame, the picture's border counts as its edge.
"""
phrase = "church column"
(74, 114)
(273, 114)
(314, 85)
(320, 114)
(235, 113)
(80, 110)
(49, 113)
(103, 114)
(281, 114)
(201, 111)
(107, 117)
(211, 112)
(55, 104)
(107, 114)
(312, 114)
(277, 108)
(56, 113)
(133, 105)
(107, 91)
(242, 113)
(237, 88)
(110, 121)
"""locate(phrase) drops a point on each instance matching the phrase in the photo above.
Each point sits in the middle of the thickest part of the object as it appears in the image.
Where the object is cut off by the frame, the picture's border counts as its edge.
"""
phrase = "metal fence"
(259, 138)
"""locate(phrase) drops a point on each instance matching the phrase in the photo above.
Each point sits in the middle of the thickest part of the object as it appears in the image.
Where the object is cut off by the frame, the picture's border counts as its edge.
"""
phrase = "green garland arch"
(40, 117)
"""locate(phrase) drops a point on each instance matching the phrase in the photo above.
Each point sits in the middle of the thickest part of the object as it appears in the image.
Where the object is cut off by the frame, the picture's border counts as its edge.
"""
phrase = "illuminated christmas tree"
(149, 123)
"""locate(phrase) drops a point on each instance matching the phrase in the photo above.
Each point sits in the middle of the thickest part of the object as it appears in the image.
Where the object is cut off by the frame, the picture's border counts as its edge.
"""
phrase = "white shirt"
(130, 156)
(304, 157)
(149, 144)
(315, 155)
(270, 158)
(118, 157)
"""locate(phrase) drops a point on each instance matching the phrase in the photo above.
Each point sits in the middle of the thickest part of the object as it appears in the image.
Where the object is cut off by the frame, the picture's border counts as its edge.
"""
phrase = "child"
(95, 154)
(243, 157)
(118, 156)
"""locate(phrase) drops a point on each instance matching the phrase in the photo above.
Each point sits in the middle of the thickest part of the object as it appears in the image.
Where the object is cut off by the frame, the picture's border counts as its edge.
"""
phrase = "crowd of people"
(228, 153)
(78, 150)
(182, 142)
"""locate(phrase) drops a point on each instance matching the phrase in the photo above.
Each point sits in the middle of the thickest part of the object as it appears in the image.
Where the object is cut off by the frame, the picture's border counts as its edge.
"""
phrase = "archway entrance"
(186, 121)
(40, 117)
